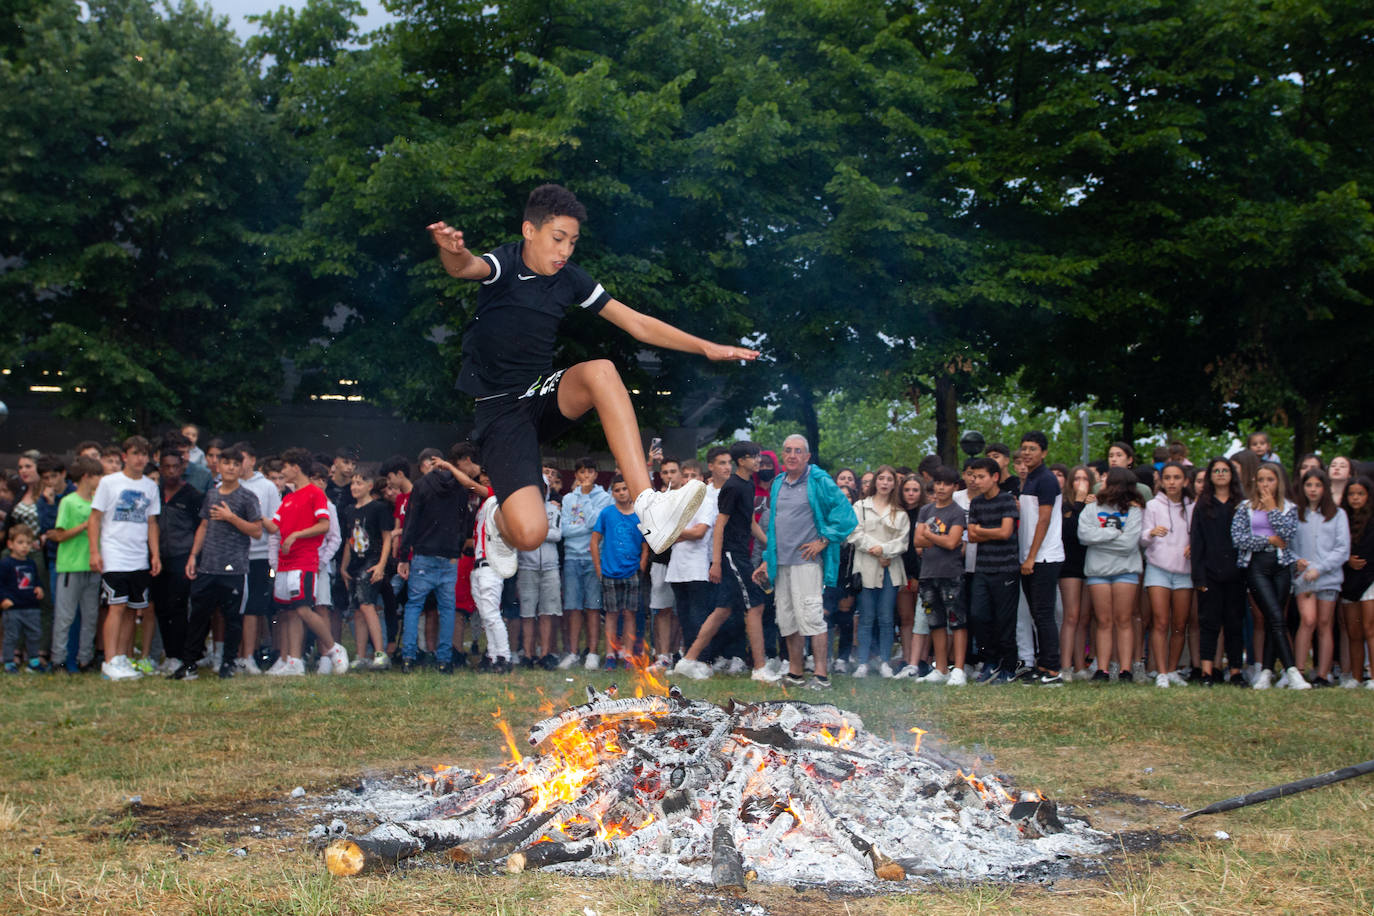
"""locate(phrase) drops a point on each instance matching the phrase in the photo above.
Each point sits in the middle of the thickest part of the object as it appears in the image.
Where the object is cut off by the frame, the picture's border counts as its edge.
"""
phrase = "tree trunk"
(1128, 420)
(810, 420)
(1304, 422)
(947, 420)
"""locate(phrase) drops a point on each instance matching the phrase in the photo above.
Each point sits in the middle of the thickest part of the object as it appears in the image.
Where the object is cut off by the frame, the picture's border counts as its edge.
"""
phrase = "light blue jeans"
(875, 607)
(440, 576)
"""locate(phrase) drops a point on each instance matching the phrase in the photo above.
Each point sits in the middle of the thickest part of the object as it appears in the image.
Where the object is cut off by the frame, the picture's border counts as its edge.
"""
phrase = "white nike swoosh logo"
(523, 277)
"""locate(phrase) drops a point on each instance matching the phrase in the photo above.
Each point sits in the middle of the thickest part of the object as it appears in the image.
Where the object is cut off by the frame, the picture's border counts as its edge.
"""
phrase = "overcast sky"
(237, 9)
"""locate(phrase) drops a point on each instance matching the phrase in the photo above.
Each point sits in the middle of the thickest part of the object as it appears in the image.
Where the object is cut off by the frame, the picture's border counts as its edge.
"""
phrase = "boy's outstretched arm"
(454, 254)
(656, 333)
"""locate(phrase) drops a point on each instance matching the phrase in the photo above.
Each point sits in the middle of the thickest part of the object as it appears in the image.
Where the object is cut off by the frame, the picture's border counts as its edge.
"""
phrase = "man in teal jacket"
(808, 521)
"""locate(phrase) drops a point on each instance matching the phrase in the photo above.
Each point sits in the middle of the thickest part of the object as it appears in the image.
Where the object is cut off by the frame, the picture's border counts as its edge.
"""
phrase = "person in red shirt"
(299, 526)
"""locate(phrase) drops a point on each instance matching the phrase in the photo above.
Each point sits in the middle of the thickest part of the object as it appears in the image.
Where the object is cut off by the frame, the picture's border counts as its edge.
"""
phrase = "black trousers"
(170, 592)
(1270, 584)
(992, 615)
(1040, 588)
(1221, 610)
(693, 601)
(210, 594)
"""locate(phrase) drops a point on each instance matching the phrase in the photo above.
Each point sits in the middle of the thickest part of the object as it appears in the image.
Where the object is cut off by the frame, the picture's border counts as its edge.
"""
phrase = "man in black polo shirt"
(438, 521)
(527, 287)
(1041, 553)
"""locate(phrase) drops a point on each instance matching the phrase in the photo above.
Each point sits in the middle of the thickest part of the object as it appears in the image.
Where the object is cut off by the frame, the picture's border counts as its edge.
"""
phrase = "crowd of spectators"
(175, 556)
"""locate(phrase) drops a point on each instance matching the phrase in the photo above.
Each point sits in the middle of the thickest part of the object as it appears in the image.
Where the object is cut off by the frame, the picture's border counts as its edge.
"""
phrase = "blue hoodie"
(579, 518)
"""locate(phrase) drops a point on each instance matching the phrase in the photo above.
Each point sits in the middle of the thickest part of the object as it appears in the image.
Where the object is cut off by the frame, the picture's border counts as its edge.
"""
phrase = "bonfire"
(661, 786)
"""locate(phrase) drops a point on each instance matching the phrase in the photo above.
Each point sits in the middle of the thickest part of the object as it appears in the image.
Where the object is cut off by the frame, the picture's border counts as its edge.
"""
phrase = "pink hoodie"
(1167, 552)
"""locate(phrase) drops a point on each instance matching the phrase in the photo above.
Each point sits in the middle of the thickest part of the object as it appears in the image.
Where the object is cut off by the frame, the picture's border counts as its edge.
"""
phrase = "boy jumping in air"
(527, 287)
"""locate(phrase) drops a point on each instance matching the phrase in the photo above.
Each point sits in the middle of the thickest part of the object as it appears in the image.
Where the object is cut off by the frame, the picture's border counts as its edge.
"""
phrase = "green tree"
(136, 165)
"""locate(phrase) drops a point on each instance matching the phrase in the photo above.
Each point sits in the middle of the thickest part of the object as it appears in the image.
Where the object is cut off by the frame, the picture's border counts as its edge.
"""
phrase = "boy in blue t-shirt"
(19, 597)
(620, 555)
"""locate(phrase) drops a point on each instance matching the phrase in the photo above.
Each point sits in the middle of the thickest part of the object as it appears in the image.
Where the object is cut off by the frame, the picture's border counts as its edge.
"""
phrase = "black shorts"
(510, 428)
(737, 589)
(257, 597)
(129, 588)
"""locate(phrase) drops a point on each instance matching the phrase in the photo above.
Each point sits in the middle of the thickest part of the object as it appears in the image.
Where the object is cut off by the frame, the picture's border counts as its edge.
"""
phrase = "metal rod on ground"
(1288, 788)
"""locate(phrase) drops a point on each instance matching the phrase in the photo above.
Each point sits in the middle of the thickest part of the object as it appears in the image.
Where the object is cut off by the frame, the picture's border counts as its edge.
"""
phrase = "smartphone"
(655, 444)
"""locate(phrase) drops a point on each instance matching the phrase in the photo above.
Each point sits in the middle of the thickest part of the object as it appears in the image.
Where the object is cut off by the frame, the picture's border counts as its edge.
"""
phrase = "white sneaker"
(774, 667)
(1349, 683)
(839, 666)
(861, 671)
(501, 556)
(290, 667)
(1369, 684)
(736, 666)
(169, 665)
(277, 666)
(247, 666)
(1162, 680)
(380, 661)
(339, 656)
(663, 662)
(697, 671)
(1176, 679)
(662, 516)
(908, 671)
(1084, 674)
(325, 665)
(119, 669)
(764, 675)
(936, 676)
(217, 656)
(957, 678)
(567, 661)
(1282, 682)
(1296, 681)
(1263, 681)
(885, 670)
(593, 661)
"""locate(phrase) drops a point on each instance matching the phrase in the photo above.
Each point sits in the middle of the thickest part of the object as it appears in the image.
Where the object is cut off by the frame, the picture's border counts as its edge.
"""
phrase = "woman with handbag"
(881, 537)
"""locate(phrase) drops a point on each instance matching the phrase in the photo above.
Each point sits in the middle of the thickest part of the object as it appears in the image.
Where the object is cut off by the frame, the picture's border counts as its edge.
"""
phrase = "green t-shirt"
(73, 554)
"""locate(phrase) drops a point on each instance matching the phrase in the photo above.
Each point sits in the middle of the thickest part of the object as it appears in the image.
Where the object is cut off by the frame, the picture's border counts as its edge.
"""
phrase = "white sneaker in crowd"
(1348, 682)
(935, 676)
(247, 666)
(957, 677)
(839, 666)
(1176, 679)
(885, 670)
(775, 667)
(277, 666)
(697, 671)
(662, 516)
(567, 661)
(861, 671)
(764, 675)
(325, 665)
(1296, 681)
(909, 671)
(501, 556)
(1369, 684)
(119, 669)
(1162, 680)
(339, 656)
(736, 666)
(1264, 680)
(593, 661)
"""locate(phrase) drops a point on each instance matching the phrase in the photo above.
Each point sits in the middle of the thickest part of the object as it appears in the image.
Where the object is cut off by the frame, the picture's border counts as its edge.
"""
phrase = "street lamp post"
(1083, 421)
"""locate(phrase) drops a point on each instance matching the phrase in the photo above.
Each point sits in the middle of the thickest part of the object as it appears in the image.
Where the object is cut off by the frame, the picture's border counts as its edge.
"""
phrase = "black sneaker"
(445, 668)
(1125, 678)
(486, 665)
(1044, 678)
(1100, 675)
(988, 675)
(186, 672)
(502, 666)
(527, 662)
(819, 682)
(1321, 682)
(227, 671)
(1023, 673)
(407, 666)
(460, 659)
(793, 680)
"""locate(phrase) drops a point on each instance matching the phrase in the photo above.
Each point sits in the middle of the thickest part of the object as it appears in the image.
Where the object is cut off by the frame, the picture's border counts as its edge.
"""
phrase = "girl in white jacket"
(879, 541)
(1109, 527)
(1322, 547)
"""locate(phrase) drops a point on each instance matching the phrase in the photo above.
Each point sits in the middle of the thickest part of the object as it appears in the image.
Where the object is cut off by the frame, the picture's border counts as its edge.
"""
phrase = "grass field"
(203, 754)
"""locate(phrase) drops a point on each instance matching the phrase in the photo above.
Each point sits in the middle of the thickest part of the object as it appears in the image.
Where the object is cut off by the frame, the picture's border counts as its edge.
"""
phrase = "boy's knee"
(525, 533)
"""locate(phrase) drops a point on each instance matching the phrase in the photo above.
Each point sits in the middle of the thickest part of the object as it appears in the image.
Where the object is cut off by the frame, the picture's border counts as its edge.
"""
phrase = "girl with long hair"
(1263, 531)
(1073, 632)
(1217, 577)
(881, 537)
(1358, 588)
(1340, 472)
(1109, 527)
(1168, 571)
(1322, 547)
(913, 630)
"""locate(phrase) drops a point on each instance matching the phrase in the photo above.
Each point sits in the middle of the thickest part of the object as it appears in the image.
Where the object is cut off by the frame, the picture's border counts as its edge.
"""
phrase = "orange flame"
(918, 732)
(511, 746)
(844, 738)
(646, 682)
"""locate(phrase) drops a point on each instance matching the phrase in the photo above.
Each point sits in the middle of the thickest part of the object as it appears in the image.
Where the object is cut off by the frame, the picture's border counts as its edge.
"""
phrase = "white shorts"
(660, 591)
(797, 597)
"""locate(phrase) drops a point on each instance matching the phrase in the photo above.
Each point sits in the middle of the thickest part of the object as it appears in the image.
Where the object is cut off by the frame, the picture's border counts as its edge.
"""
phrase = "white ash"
(819, 790)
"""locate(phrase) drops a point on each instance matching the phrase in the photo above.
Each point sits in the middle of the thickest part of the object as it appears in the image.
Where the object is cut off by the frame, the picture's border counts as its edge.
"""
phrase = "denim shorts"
(581, 585)
(1155, 577)
(363, 591)
(1131, 578)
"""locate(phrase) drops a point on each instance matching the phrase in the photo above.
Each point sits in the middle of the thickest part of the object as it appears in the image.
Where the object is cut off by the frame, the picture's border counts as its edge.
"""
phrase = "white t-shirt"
(269, 500)
(125, 505)
(1041, 488)
(690, 561)
(970, 548)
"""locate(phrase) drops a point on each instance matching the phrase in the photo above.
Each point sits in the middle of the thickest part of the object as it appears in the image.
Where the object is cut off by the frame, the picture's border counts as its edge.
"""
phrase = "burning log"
(597, 710)
(883, 866)
(541, 854)
(1288, 788)
(380, 850)
(727, 866)
(502, 844)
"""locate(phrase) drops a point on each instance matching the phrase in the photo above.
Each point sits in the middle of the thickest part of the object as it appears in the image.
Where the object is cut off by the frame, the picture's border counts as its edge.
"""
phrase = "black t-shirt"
(180, 517)
(737, 504)
(363, 529)
(340, 494)
(508, 345)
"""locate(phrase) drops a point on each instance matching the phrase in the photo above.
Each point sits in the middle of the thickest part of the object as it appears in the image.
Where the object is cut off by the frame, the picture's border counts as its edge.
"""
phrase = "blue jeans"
(440, 576)
(875, 607)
